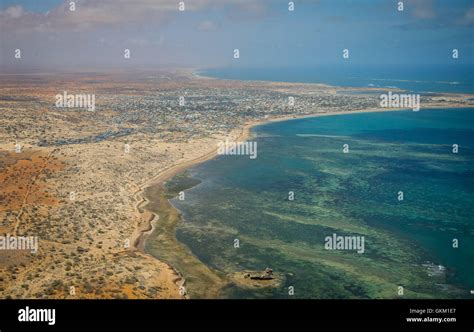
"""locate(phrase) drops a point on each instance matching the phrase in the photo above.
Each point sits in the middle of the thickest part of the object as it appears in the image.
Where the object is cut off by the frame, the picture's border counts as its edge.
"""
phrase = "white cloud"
(12, 12)
(468, 18)
(207, 26)
(92, 13)
(422, 9)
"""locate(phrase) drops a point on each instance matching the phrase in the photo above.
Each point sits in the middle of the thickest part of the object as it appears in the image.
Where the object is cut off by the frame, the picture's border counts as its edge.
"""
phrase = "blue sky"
(208, 31)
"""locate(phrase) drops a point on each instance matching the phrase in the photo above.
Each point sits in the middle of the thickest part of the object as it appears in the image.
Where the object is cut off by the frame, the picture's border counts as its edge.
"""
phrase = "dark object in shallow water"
(266, 275)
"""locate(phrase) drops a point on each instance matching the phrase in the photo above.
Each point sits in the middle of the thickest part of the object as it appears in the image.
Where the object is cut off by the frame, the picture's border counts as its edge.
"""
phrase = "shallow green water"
(353, 194)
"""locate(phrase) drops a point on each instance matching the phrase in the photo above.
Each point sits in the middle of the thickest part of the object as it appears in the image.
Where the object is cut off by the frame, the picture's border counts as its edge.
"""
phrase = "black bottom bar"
(446, 315)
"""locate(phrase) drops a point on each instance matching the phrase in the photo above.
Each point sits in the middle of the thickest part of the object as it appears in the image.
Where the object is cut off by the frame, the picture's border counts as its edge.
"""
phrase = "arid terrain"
(74, 177)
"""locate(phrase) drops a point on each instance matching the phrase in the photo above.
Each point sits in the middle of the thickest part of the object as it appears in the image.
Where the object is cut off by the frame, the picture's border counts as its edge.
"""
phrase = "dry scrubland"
(90, 242)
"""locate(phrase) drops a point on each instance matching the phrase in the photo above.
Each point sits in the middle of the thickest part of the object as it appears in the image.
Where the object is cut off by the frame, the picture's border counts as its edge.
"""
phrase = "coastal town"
(73, 176)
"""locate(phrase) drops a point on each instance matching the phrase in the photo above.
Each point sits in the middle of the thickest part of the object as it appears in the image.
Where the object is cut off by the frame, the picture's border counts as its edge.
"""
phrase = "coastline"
(149, 218)
(244, 133)
(200, 74)
(88, 158)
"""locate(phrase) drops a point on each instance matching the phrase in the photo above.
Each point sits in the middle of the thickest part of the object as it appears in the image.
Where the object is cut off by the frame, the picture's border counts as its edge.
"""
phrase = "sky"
(95, 35)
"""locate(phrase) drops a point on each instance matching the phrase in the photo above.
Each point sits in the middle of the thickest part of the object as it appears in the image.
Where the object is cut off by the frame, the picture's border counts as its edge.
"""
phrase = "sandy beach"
(87, 157)
(150, 220)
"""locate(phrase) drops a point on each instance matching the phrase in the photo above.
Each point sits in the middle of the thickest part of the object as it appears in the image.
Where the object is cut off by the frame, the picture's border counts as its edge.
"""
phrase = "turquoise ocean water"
(408, 243)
